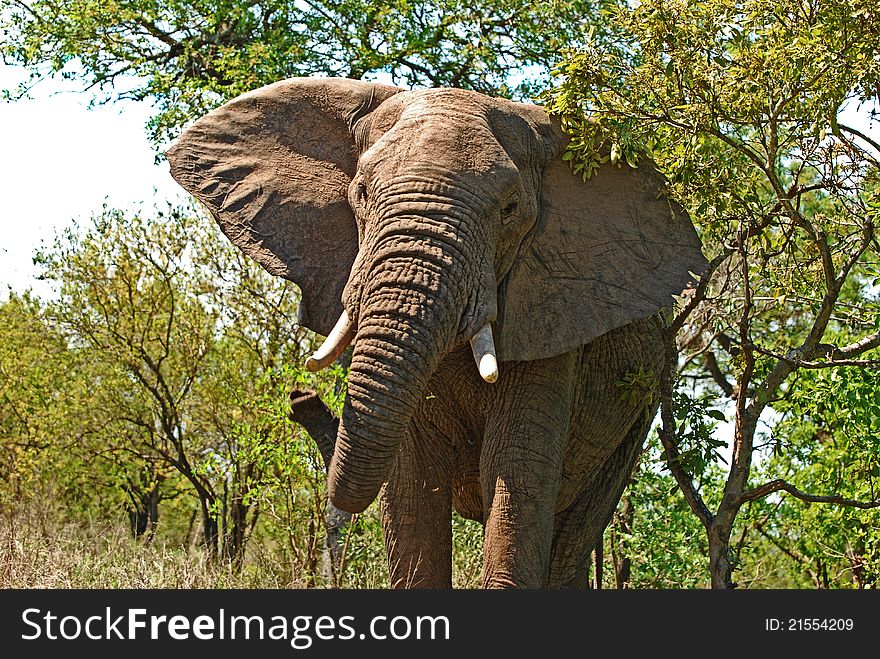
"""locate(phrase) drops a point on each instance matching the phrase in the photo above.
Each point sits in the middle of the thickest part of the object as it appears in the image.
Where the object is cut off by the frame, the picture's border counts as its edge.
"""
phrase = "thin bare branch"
(853, 349)
(699, 293)
(860, 135)
(717, 375)
(792, 361)
(780, 485)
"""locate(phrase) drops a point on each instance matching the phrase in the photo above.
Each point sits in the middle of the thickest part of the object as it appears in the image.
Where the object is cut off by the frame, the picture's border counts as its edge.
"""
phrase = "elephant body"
(439, 223)
(569, 422)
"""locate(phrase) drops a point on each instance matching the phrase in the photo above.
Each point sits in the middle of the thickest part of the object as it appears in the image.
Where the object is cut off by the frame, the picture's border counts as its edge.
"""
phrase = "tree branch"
(792, 361)
(859, 134)
(781, 485)
(666, 431)
(717, 375)
(853, 349)
(699, 292)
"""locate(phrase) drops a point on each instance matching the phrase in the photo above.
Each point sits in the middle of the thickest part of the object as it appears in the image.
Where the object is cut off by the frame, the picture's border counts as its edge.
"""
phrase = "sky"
(63, 161)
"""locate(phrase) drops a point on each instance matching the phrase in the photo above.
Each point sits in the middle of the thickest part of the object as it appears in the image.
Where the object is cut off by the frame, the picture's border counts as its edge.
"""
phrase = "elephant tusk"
(483, 346)
(337, 341)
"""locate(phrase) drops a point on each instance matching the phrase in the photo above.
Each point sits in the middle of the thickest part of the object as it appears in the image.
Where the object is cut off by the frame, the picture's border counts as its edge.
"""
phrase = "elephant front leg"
(417, 516)
(520, 468)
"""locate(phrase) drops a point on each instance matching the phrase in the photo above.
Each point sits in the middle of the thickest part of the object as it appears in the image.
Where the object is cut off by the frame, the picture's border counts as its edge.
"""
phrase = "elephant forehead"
(459, 97)
(427, 138)
(449, 105)
(461, 113)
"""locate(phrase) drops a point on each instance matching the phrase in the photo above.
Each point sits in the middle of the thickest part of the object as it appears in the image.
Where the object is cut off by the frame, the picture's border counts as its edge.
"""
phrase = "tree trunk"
(143, 514)
(720, 566)
(623, 523)
(235, 532)
(210, 527)
(308, 410)
(720, 529)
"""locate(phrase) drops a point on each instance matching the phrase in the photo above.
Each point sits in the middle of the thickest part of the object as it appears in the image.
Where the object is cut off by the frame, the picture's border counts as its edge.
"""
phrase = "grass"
(40, 550)
(37, 551)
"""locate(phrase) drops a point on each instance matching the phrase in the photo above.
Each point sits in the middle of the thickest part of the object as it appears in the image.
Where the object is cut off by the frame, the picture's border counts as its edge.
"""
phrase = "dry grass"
(39, 552)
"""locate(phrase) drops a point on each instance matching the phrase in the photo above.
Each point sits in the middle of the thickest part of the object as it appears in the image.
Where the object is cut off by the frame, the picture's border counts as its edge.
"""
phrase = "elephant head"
(416, 221)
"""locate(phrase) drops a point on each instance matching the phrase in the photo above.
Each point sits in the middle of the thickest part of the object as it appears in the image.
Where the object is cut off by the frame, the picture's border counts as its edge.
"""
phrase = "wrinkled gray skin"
(426, 215)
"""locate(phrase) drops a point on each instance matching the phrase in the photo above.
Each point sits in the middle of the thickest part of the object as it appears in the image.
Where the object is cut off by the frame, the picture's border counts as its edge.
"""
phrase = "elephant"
(506, 317)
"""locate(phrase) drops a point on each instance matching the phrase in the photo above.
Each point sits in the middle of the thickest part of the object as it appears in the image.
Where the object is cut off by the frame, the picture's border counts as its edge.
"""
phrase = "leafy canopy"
(189, 56)
(738, 103)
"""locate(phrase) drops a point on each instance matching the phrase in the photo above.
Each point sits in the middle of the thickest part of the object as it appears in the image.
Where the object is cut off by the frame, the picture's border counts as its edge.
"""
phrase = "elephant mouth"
(344, 331)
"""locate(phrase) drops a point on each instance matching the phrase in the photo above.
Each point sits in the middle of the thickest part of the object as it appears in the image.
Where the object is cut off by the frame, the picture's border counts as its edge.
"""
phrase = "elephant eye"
(509, 208)
(358, 195)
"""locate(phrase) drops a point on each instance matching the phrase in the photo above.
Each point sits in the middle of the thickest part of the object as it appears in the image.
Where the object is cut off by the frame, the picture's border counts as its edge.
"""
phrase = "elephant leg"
(520, 468)
(417, 515)
(579, 528)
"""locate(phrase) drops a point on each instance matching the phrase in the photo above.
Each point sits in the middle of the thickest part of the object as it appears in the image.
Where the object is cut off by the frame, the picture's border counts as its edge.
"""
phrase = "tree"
(738, 103)
(190, 56)
(125, 295)
(55, 448)
(242, 398)
(33, 361)
(192, 350)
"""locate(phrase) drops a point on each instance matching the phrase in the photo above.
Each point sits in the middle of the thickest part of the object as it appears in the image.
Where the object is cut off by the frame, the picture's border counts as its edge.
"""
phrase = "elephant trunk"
(418, 289)
(392, 362)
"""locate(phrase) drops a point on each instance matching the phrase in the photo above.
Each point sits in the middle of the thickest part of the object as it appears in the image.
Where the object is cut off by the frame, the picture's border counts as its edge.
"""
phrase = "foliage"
(35, 398)
(654, 541)
(467, 553)
(186, 352)
(737, 103)
(190, 56)
(697, 432)
(827, 440)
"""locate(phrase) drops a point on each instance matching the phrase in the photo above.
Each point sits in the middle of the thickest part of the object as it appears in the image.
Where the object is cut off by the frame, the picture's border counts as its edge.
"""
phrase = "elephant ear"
(606, 252)
(273, 167)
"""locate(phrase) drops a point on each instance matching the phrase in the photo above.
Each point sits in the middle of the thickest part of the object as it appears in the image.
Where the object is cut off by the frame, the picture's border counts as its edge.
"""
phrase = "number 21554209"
(808, 624)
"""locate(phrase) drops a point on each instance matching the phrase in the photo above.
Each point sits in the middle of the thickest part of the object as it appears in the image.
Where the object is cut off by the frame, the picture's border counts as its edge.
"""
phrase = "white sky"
(62, 161)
